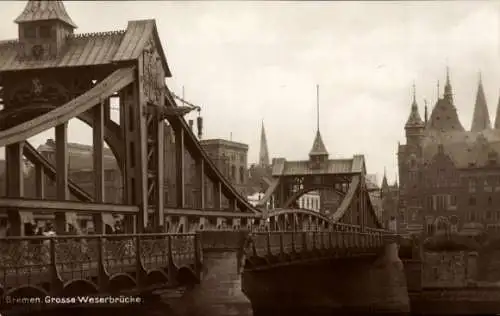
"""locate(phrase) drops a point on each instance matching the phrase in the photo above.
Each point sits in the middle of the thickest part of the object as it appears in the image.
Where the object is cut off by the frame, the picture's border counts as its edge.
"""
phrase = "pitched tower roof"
(481, 116)
(264, 151)
(318, 147)
(414, 120)
(444, 115)
(45, 10)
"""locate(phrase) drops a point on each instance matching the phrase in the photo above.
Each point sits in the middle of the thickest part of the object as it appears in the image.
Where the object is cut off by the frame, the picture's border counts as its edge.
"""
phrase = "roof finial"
(317, 107)
(438, 89)
(447, 75)
(480, 78)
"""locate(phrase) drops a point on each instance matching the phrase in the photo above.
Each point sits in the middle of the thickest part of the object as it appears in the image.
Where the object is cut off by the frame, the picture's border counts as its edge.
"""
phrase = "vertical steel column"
(14, 184)
(201, 177)
(126, 103)
(62, 166)
(180, 165)
(140, 144)
(98, 161)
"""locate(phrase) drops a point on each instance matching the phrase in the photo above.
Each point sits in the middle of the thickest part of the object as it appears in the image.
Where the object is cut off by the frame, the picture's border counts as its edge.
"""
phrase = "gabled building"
(449, 176)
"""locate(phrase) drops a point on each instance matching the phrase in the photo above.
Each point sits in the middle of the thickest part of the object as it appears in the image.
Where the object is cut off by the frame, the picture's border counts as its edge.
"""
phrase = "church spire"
(264, 151)
(481, 116)
(45, 11)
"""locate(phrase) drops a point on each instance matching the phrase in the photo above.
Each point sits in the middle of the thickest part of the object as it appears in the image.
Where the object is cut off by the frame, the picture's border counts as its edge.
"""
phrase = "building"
(310, 201)
(80, 171)
(231, 159)
(449, 176)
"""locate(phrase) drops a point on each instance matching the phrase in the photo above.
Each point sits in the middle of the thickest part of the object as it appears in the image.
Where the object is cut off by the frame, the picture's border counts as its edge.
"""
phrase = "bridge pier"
(219, 292)
(364, 284)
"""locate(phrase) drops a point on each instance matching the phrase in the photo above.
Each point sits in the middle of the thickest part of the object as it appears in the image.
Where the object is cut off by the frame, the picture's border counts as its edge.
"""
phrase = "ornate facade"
(449, 176)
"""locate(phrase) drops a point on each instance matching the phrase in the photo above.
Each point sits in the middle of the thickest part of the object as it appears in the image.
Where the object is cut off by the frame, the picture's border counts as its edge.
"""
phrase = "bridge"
(184, 225)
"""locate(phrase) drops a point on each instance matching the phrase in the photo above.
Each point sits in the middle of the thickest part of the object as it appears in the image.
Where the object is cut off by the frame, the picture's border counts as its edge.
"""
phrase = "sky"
(246, 62)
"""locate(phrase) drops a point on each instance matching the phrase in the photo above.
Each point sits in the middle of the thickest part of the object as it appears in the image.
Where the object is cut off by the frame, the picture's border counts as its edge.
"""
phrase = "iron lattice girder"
(193, 146)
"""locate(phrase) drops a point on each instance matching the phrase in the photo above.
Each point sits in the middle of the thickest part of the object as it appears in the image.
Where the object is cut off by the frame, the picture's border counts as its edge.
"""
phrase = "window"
(453, 200)
(488, 215)
(233, 173)
(490, 201)
(29, 32)
(472, 201)
(45, 31)
(242, 175)
(429, 203)
(472, 185)
(472, 216)
(488, 184)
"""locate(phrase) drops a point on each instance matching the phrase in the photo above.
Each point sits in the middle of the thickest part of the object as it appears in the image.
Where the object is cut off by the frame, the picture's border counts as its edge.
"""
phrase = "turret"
(414, 126)
(43, 28)
(481, 116)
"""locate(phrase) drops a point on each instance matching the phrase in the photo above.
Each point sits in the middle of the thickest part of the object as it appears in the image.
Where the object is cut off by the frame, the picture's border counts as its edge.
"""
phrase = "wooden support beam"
(39, 182)
(62, 166)
(180, 166)
(98, 160)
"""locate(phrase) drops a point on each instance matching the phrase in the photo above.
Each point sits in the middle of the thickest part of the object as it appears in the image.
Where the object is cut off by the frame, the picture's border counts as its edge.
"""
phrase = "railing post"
(54, 276)
(282, 246)
(294, 250)
(101, 277)
(171, 265)
(138, 261)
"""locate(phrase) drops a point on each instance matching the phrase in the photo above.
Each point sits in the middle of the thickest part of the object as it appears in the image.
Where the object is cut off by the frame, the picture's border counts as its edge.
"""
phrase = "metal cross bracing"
(171, 189)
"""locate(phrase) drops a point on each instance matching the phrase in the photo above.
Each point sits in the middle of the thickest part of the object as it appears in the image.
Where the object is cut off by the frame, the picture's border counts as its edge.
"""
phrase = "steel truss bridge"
(176, 203)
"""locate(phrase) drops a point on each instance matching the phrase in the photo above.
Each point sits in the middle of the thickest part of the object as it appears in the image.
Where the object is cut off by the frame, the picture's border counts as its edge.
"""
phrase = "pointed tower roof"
(45, 10)
(444, 116)
(497, 117)
(318, 147)
(414, 120)
(481, 116)
(385, 183)
(264, 151)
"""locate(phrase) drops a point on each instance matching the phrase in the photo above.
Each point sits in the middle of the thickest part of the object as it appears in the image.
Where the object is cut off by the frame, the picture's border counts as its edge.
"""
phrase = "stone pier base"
(356, 285)
(219, 292)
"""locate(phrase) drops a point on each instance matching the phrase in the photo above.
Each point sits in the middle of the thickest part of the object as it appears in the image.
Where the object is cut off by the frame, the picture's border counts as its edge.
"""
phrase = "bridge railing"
(42, 260)
(349, 240)
(39, 260)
